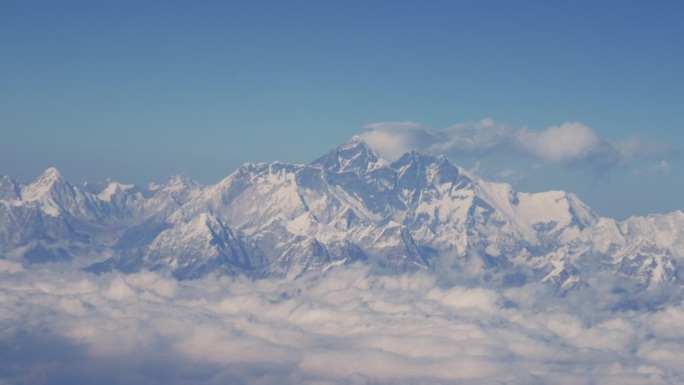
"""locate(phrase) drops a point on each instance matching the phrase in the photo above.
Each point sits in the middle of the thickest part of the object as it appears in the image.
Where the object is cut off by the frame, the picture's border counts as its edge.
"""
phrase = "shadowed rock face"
(420, 212)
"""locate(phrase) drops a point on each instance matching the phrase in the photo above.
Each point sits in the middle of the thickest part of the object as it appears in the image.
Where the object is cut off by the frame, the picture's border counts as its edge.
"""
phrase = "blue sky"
(137, 91)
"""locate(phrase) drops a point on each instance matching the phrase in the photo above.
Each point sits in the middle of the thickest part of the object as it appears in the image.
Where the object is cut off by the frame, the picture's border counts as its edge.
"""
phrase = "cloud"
(562, 144)
(393, 139)
(10, 267)
(341, 327)
(571, 143)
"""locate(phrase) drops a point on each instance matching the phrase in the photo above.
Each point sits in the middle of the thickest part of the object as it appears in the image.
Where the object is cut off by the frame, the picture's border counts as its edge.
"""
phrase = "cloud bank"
(571, 143)
(342, 327)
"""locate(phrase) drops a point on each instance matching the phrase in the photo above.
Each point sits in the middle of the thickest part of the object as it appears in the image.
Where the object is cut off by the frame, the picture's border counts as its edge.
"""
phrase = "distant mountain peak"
(181, 179)
(414, 157)
(174, 183)
(50, 174)
(352, 156)
(113, 188)
(43, 184)
(355, 140)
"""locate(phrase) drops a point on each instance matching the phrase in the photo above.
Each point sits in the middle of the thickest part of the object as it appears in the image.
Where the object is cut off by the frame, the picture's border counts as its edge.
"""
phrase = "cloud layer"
(571, 143)
(344, 327)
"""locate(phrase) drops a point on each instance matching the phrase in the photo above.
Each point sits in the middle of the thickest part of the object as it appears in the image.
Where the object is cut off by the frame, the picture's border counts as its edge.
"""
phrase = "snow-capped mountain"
(264, 220)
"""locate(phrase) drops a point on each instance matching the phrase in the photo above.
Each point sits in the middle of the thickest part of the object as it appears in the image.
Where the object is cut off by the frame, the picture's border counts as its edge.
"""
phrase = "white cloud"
(342, 327)
(393, 139)
(565, 143)
(571, 143)
(10, 267)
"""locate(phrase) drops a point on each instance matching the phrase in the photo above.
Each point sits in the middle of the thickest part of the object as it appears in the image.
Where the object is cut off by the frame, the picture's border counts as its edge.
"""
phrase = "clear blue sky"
(137, 91)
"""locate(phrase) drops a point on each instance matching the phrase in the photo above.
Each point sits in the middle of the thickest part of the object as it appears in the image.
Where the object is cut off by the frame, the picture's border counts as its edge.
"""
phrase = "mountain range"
(420, 212)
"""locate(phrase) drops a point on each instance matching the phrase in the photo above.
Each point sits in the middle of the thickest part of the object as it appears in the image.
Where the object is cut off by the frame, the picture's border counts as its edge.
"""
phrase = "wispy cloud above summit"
(569, 144)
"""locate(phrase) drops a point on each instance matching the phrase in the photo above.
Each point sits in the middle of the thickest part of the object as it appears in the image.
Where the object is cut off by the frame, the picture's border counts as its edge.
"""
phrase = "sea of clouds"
(345, 326)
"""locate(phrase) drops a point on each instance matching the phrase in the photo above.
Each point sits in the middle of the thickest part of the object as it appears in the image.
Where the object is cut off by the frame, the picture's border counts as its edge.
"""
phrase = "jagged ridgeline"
(420, 212)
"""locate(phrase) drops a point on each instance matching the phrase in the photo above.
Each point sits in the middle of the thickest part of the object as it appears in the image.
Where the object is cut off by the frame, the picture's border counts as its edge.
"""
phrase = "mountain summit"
(420, 212)
(353, 156)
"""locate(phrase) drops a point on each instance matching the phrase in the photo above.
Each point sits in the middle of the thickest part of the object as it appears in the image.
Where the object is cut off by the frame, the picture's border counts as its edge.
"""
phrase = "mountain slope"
(420, 212)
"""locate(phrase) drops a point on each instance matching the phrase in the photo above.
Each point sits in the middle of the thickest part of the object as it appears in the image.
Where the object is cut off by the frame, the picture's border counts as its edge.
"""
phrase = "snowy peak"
(353, 156)
(51, 173)
(176, 191)
(48, 181)
(417, 170)
(443, 171)
(179, 182)
(56, 196)
(114, 189)
(174, 184)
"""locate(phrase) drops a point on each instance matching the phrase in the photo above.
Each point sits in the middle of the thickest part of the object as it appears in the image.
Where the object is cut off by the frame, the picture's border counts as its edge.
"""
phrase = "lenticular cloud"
(342, 327)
